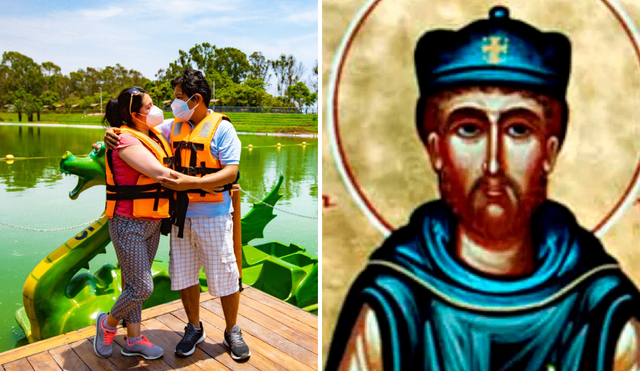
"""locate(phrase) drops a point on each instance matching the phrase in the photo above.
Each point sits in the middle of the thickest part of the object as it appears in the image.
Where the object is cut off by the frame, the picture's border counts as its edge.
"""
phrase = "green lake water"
(34, 194)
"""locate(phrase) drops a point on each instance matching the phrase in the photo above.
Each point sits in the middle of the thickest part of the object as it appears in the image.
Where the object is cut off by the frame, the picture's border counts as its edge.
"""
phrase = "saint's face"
(492, 156)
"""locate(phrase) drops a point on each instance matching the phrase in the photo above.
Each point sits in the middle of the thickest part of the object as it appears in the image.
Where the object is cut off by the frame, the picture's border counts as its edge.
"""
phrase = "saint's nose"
(492, 163)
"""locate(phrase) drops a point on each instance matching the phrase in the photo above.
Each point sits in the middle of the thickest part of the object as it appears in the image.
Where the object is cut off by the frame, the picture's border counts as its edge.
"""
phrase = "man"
(206, 149)
(494, 276)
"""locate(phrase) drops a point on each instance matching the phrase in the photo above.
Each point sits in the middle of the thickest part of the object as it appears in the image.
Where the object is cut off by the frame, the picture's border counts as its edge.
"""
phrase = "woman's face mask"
(181, 109)
(154, 117)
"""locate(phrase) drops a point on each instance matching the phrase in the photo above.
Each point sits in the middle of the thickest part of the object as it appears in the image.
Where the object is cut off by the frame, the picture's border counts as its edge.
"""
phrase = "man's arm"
(111, 137)
(181, 182)
(364, 349)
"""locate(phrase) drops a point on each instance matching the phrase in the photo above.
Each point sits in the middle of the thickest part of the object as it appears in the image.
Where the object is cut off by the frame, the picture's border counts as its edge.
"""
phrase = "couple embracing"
(179, 170)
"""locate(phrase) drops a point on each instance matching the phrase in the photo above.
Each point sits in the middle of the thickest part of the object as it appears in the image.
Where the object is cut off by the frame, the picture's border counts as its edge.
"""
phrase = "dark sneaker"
(103, 341)
(233, 340)
(141, 347)
(191, 338)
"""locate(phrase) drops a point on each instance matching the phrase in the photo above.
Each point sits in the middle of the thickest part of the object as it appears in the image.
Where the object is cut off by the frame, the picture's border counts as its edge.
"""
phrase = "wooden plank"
(47, 344)
(123, 362)
(67, 359)
(84, 350)
(73, 336)
(150, 364)
(275, 303)
(168, 344)
(213, 347)
(43, 362)
(263, 309)
(259, 358)
(19, 365)
(278, 341)
(280, 326)
(281, 360)
(199, 358)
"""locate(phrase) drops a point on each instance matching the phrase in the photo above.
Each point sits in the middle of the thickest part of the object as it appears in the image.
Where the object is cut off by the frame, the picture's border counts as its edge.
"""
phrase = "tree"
(50, 98)
(240, 95)
(52, 77)
(36, 106)
(259, 67)
(22, 102)
(301, 95)
(19, 72)
(288, 72)
(314, 78)
(161, 91)
(203, 55)
(234, 62)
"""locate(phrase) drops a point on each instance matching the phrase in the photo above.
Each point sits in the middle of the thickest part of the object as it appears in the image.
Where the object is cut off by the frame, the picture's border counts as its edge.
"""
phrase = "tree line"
(27, 87)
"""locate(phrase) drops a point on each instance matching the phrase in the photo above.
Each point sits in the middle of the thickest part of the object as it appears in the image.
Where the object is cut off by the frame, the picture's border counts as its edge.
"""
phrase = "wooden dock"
(280, 336)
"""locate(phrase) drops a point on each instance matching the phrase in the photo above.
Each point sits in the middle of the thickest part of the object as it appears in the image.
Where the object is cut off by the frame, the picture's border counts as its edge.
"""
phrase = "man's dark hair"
(193, 82)
(428, 109)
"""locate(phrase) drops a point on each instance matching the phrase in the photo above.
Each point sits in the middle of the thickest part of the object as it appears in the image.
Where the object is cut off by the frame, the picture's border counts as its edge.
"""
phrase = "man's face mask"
(154, 117)
(181, 109)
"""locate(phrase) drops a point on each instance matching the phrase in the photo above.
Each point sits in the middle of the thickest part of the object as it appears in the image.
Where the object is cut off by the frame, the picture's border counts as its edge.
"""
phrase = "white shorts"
(208, 242)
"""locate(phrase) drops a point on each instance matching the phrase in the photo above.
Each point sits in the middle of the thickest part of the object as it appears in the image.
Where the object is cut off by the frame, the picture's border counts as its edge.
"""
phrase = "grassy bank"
(244, 122)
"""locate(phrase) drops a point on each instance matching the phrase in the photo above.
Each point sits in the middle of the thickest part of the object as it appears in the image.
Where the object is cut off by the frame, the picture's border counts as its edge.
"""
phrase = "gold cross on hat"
(492, 46)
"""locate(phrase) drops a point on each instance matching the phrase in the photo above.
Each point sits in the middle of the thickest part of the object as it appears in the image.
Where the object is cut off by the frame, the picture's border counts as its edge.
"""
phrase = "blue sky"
(145, 35)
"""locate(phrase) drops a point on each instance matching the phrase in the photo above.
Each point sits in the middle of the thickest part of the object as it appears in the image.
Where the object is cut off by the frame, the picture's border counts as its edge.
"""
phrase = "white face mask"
(181, 109)
(154, 117)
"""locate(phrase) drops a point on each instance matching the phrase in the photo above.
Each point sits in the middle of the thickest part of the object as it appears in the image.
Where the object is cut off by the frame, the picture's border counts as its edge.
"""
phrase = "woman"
(136, 204)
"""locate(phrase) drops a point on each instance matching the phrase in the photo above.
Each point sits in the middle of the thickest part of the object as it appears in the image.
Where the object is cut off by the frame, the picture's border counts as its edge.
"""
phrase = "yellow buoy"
(250, 145)
(9, 157)
(304, 143)
(279, 144)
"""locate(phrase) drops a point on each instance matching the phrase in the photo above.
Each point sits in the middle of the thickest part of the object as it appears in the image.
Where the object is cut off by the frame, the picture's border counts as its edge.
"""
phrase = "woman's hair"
(117, 111)
(192, 82)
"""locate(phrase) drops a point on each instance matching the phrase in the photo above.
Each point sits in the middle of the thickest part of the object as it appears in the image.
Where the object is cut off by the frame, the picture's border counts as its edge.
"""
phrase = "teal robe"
(435, 313)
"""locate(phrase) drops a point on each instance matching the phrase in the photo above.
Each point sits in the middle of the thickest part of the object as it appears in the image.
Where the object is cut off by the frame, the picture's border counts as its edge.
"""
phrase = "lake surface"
(34, 194)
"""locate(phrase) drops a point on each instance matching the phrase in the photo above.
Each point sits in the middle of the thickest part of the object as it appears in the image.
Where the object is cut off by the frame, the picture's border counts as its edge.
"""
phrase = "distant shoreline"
(305, 135)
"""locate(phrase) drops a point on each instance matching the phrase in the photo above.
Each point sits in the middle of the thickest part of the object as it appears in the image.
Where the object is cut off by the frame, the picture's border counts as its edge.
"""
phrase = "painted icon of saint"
(493, 274)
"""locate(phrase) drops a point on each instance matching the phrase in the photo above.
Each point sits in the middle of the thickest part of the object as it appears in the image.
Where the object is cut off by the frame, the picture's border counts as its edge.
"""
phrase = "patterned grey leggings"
(136, 243)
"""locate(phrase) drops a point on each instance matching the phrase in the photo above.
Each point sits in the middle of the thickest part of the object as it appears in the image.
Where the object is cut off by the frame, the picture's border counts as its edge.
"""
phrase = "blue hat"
(498, 51)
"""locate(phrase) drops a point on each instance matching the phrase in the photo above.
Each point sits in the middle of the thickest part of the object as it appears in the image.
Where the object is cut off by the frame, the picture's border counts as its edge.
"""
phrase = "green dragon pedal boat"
(59, 296)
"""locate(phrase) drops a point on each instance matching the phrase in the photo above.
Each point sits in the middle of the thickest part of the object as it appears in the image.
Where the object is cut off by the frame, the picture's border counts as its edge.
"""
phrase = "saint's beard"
(493, 218)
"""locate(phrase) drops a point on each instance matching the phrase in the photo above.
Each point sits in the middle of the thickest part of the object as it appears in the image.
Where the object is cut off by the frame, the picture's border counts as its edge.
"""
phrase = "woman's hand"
(111, 138)
(177, 182)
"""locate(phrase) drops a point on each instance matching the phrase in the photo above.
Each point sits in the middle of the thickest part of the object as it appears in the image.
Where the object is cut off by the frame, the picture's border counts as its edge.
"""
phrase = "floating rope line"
(275, 208)
(93, 221)
(26, 158)
(48, 230)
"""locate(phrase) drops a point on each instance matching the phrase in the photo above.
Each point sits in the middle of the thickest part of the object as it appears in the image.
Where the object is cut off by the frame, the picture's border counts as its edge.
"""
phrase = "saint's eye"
(518, 130)
(468, 130)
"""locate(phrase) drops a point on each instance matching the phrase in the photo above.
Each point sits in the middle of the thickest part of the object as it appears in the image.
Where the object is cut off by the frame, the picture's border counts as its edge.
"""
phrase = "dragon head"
(89, 169)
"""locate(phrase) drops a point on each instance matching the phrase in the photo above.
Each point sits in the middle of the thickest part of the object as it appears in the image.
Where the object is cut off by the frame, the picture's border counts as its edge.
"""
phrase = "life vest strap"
(196, 170)
(188, 145)
(169, 161)
(181, 205)
(136, 196)
(134, 188)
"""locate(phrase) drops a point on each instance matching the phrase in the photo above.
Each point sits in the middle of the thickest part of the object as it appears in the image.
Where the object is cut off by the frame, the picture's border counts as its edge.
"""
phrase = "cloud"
(100, 14)
(145, 35)
(303, 18)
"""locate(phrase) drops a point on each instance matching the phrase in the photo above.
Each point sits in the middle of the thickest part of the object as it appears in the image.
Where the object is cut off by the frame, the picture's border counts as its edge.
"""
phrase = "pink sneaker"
(103, 341)
(141, 347)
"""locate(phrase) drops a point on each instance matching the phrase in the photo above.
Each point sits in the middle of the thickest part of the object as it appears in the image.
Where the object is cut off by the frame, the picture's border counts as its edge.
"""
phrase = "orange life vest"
(150, 200)
(193, 155)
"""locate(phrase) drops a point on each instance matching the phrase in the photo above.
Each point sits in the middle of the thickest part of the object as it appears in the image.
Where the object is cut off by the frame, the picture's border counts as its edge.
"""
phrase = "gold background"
(377, 104)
